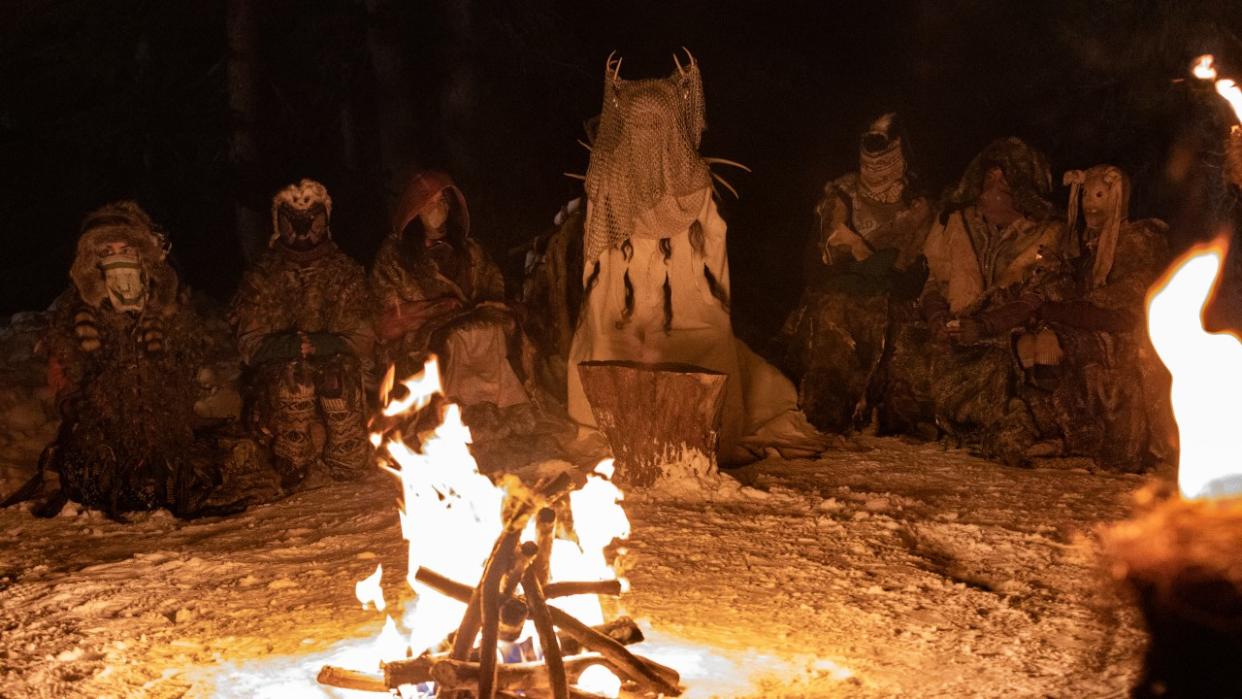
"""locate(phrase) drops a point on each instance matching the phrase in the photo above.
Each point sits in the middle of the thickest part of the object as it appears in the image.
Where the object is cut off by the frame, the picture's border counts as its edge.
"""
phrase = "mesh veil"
(646, 148)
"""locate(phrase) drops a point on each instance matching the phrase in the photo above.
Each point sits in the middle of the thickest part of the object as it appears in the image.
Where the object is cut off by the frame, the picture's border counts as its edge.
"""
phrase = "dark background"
(131, 98)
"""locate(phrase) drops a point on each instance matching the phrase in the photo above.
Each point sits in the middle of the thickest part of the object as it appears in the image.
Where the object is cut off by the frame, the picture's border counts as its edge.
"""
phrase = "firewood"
(623, 630)
(449, 674)
(513, 613)
(646, 673)
(652, 412)
(525, 557)
(343, 678)
(584, 587)
(483, 613)
(409, 671)
(539, 614)
(545, 529)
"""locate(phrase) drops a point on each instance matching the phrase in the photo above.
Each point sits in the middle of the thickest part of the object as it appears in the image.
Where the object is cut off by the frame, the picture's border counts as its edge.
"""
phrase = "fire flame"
(1204, 69)
(1206, 369)
(451, 516)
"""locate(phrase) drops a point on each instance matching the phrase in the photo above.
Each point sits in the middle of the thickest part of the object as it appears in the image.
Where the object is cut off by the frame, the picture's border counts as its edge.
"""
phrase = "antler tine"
(676, 62)
(726, 184)
(612, 66)
(724, 161)
(689, 56)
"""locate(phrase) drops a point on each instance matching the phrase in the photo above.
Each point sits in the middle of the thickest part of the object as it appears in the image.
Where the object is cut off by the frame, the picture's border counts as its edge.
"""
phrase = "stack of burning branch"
(514, 588)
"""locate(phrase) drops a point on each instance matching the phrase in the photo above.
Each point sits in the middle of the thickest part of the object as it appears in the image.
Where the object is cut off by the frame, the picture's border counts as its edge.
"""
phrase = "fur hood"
(125, 221)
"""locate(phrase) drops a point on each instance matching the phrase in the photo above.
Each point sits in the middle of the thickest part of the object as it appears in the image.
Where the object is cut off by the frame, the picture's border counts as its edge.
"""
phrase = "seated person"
(438, 291)
(124, 350)
(952, 371)
(1091, 378)
(303, 326)
(865, 269)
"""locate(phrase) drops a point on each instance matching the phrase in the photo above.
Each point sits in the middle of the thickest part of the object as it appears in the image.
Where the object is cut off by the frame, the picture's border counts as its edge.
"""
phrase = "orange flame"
(1204, 69)
(1206, 369)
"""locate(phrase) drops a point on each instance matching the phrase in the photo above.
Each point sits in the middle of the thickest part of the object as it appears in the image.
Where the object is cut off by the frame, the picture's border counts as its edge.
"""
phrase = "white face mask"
(125, 281)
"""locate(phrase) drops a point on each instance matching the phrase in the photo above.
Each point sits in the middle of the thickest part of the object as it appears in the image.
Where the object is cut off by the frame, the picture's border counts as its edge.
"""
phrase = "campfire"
(506, 577)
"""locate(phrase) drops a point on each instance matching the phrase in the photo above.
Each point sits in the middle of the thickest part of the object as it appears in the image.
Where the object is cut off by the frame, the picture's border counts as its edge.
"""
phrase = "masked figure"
(440, 292)
(655, 272)
(997, 235)
(303, 326)
(124, 351)
(864, 270)
(1089, 373)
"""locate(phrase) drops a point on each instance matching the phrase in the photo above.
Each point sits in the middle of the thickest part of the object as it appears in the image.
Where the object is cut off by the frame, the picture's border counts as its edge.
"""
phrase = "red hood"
(419, 192)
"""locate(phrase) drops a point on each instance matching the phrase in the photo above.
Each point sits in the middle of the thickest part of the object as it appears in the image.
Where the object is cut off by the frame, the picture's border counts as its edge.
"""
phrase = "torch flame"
(1206, 369)
(1204, 69)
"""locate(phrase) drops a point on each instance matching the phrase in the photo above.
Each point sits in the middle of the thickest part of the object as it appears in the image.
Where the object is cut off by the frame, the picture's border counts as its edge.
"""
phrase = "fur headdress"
(123, 221)
(300, 196)
(1118, 185)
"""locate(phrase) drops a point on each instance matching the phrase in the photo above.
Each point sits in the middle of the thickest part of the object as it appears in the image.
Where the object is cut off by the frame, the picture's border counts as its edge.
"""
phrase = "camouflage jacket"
(322, 294)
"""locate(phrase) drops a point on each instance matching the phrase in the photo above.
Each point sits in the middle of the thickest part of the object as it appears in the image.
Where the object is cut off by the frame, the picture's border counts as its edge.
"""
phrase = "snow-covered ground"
(883, 569)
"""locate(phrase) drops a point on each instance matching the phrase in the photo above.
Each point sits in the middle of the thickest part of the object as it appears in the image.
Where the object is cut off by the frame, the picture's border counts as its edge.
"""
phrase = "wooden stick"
(513, 613)
(545, 530)
(584, 587)
(538, 609)
(647, 673)
(623, 630)
(343, 678)
(483, 612)
(525, 556)
(410, 671)
(449, 674)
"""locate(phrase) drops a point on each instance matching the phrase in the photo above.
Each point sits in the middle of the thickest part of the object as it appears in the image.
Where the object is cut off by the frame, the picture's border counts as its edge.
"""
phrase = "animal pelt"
(124, 221)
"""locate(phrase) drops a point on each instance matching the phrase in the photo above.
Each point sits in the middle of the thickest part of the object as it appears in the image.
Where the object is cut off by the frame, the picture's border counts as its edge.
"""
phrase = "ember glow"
(1207, 373)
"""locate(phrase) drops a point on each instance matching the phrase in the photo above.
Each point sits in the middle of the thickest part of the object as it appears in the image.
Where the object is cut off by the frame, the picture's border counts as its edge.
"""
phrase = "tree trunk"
(654, 414)
(394, 103)
(251, 222)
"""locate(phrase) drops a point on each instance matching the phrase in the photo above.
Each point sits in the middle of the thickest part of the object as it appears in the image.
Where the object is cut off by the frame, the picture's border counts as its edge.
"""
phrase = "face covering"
(125, 281)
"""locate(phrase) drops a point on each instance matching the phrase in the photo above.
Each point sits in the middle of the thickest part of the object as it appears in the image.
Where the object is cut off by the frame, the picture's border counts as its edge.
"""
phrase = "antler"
(723, 161)
(690, 63)
(612, 67)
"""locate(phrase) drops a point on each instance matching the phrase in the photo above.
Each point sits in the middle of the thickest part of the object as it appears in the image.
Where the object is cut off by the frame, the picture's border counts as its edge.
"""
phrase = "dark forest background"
(201, 109)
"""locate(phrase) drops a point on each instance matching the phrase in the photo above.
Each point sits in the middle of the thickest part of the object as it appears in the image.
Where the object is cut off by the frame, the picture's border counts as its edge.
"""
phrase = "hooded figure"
(303, 325)
(860, 277)
(655, 270)
(124, 350)
(438, 291)
(952, 372)
(1089, 372)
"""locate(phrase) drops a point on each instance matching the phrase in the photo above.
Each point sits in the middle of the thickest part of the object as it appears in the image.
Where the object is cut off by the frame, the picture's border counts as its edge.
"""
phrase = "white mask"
(125, 281)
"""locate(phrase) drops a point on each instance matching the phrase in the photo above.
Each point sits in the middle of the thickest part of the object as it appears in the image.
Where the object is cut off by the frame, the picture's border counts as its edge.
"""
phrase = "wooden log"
(548, 641)
(449, 674)
(545, 529)
(652, 413)
(623, 630)
(646, 673)
(343, 678)
(409, 671)
(611, 588)
(513, 612)
(525, 557)
(482, 616)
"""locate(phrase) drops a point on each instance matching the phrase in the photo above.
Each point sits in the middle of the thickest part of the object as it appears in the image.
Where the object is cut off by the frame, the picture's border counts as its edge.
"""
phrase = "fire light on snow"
(1206, 369)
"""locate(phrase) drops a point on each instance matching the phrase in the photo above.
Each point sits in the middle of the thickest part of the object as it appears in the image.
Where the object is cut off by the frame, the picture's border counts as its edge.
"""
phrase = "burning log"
(652, 412)
(551, 645)
(646, 673)
(513, 613)
(545, 529)
(611, 588)
(512, 677)
(623, 630)
(352, 679)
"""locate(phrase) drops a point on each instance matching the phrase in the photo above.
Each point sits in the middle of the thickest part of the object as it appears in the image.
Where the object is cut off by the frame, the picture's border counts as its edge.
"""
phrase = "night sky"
(130, 98)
